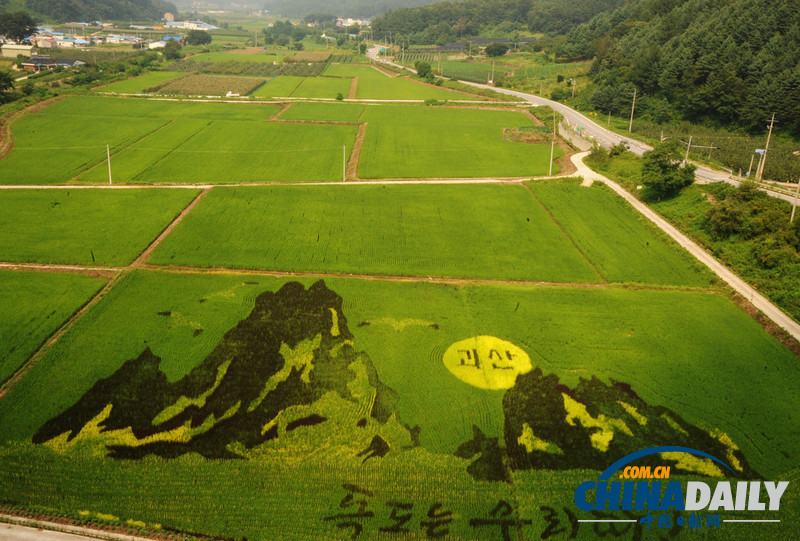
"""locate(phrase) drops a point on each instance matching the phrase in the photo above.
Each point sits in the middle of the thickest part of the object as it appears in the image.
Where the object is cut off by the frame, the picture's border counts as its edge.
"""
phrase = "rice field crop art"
(300, 408)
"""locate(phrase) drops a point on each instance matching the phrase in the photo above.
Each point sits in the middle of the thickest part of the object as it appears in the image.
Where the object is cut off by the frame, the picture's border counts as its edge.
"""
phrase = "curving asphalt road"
(604, 137)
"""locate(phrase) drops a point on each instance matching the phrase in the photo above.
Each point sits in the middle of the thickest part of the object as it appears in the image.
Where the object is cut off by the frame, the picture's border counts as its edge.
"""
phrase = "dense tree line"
(341, 8)
(452, 20)
(91, 10)
(732, 62)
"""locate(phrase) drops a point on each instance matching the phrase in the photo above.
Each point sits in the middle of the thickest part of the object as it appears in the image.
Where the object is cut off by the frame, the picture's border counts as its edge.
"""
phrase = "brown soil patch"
(533, 118)
(6, 139)
(770, 326)
(387, 73)
(284, 107)
(565, 165)
(517, 135)
(353, 87)
(355, 156)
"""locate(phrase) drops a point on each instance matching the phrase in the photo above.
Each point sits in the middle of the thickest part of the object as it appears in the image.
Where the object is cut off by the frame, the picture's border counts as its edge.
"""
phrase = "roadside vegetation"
(743, 227)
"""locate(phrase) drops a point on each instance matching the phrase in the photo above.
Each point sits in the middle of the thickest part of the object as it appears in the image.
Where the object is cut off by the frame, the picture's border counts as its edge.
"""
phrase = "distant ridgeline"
(734, 62)
(102, 10)
(447, 21)
(291, 363)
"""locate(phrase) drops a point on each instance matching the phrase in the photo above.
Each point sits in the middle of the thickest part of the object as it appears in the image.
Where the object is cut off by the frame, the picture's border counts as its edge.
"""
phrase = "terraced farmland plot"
(331, 112)
(281, 86)
(622, 245)
(136, 85)
(54, 148)
(208, 85)
(85, 226)
(375, 85)
(33, 305)
(224, 152)
(259, 57)
(307, 395)
(322, 87)
(420, 142)
(475, 231)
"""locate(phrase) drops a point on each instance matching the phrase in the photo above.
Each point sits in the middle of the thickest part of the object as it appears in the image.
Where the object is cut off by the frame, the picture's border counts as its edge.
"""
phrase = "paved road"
(604, 137)
(18, 532)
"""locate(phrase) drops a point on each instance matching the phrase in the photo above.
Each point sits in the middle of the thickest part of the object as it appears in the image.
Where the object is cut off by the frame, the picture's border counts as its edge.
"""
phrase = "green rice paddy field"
(304, 474)
(473, 231)
(164, 142)
(352, 360)
(136, 85)
(85, 227)
(35, 304)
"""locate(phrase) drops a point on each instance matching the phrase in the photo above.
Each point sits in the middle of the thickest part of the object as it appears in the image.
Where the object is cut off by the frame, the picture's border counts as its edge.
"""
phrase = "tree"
(17, 26)
(198, 37)
(6, 80)
(172, 50)
(423, 69)
(662, 171)
(496, 49)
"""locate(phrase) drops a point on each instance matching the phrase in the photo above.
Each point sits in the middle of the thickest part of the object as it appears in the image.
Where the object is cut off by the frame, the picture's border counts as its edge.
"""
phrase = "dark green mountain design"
(292, 349)
(551, 426)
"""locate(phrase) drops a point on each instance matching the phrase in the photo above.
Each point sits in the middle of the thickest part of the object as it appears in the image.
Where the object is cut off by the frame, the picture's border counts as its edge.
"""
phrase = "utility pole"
(344, 163)
(572, 84)
(760, 171)
(552, 145)
(750, 169)
(633, 106)
(796, 193)
(108, 155)
(688, 147)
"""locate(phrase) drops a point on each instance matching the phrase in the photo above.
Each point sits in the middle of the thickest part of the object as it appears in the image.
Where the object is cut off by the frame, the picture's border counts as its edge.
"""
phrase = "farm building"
(39, 63)
(11, 50)
(44, 62)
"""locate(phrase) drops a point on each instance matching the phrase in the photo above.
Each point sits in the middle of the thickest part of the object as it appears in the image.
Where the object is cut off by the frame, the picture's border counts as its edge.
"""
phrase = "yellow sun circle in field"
(487, 362)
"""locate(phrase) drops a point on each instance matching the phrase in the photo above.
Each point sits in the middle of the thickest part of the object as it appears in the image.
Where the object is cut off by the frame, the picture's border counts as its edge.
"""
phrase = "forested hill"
(102, 10)
(365, 9)
(729, 61)
(448, 20)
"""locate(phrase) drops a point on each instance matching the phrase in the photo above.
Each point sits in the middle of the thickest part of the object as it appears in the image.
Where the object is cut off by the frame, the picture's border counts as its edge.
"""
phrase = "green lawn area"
(376, 85)
(477, 231)
(322, 87)
(34, 305)
(281, 86)
(622, 245)
(136, 85)
(404, 328)
(84, 226)
(332, 112)
(413, 142)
